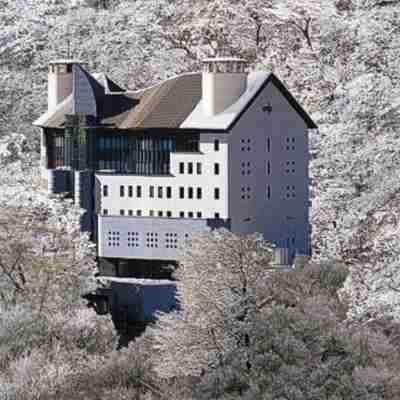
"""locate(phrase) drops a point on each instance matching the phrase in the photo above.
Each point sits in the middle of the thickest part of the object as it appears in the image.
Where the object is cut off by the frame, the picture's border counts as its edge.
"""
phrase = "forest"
(329, 329)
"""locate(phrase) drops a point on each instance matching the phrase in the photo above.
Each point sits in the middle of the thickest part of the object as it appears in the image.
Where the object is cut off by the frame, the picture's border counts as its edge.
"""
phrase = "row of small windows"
(246, 144)
(161, 191)
(190, 169)
(168, 214)
(246, 192)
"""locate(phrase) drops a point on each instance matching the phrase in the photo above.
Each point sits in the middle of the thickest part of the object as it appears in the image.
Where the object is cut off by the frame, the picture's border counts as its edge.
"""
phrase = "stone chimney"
(59, 81)
(224, 80)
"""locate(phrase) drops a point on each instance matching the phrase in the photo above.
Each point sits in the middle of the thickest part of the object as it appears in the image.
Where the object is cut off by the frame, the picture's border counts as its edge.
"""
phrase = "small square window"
(169, 214)
(216, 215)
(181, 214)
(160, 213)
(130, 213)
(105, 211)
(181, 192)
(198, 168)
(190, 214)
(181, 168)
(151, 213)
(169, 192)
(199, 215)
(190, 168)
(121, 212)
(139, 213)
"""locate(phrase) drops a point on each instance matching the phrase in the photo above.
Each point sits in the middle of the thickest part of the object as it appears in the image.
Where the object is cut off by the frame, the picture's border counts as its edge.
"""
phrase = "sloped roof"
(175, 104)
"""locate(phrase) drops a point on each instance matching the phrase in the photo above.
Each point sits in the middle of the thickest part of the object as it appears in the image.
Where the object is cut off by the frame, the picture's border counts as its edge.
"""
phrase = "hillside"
(338, 57)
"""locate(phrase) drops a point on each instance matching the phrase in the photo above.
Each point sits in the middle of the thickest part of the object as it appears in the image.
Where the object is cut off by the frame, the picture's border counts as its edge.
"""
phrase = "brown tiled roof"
(165, 105)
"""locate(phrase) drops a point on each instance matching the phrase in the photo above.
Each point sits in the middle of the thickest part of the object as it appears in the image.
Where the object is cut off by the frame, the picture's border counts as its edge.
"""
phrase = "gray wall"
(281, 220)
(148, 238)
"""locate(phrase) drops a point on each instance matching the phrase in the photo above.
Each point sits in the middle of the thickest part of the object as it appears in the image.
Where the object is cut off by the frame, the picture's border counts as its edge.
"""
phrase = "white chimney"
(224, 80)
(59, 82)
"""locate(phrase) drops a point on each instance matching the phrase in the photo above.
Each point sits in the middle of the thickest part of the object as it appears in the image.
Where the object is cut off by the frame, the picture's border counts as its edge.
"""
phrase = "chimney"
(59, 82)
(224, 80)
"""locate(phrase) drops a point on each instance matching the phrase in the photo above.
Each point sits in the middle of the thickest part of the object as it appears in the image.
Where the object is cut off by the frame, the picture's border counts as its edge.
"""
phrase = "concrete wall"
(148, 238)
(207, 181)
(281, 219)
(59, 85)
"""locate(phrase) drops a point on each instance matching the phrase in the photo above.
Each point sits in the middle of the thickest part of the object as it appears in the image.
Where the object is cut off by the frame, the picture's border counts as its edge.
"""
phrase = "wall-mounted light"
(267, 108)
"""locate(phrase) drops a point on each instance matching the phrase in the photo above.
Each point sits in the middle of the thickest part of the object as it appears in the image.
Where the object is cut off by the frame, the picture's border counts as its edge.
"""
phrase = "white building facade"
(200, 151)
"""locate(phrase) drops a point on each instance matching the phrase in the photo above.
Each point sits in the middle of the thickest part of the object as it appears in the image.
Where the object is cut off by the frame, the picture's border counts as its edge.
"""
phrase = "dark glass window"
(198, 166)
(138, 191)
(190, 193)
(121, 212)
(199, 215)
(105, 212)
(130, 191)
(130, 213)
(182, 214)
(216, 193)
(169, 214)
(216, 169)
(151, 213)
(160, 213)
(181, 168)
(169, 192)
(216, 215)
(160, 192)
(199, 193)
(216, 145)
(122, 191)
(190, 214)
(181, 193)
(105, 190)
(151, 191)
(190, 168)
(139, 213)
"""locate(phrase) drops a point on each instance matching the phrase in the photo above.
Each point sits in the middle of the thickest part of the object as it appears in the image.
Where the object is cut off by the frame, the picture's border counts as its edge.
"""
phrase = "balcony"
(149, 238)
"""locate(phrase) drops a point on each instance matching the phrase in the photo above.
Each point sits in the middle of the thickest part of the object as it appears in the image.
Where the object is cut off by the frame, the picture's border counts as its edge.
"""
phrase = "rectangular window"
(130, 191)
(181, 214)
(268, 168)
(105, 211)
(216, 145)
(190, 168)
(198, 168)
(216, 169)
(138, 191)
(169, 214)
(169, 192)
(268, 144)
(151, 213)
(160, 213)
(216, 193)
(151, 191)
(121, 212)
(181, 168)
(122, 191)
(130, 213)
(268, 192)
(139, 213)
(216, 215)
(181, 193)
(199, 215)
(190, 193)
(190, 214)
(105, 190)
(199, 193)
(160, 192)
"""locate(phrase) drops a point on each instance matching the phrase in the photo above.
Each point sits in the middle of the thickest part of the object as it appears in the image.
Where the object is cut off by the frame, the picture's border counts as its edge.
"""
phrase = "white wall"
(59, 88)
(277, 218)
(208, 206)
